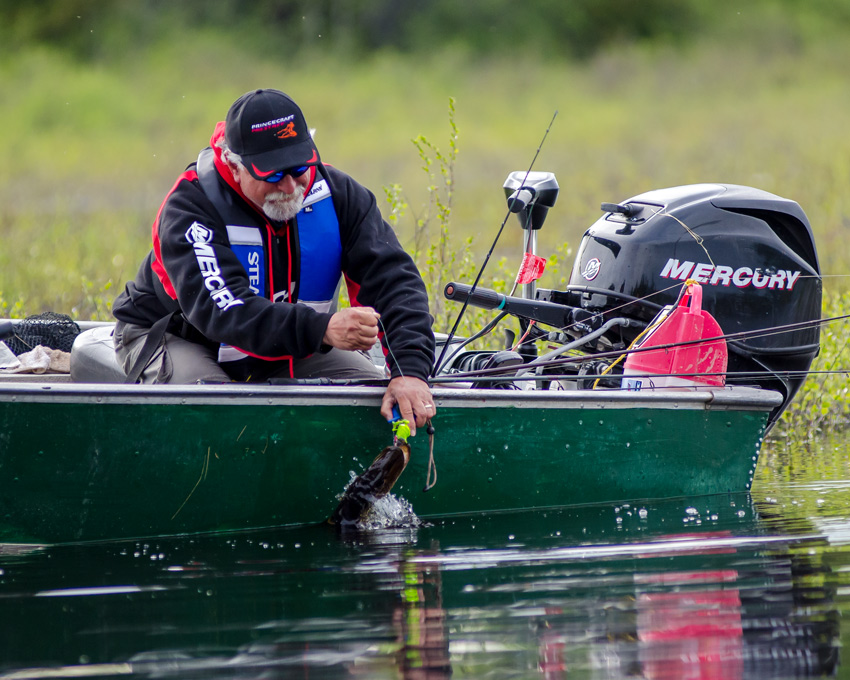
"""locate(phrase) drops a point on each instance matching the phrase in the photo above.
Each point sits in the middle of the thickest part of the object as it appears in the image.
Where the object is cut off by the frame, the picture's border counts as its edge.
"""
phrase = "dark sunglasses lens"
(280, 174)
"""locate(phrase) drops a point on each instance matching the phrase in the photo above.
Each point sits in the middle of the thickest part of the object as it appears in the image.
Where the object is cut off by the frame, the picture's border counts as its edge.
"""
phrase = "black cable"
(489, 327)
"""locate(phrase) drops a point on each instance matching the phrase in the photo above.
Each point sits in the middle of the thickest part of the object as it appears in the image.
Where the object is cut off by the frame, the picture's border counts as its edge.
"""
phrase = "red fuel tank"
(688, 365)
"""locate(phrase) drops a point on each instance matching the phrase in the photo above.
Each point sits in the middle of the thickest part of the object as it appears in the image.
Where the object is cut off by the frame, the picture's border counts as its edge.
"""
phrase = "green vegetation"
(102, 109)
(108, 29)
(823, 403)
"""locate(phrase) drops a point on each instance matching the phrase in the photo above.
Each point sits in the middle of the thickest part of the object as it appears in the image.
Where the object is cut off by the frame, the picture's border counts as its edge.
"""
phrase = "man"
(248, 250)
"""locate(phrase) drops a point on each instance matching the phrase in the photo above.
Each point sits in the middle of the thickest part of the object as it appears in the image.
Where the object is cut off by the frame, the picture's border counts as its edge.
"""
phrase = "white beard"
(282, 207)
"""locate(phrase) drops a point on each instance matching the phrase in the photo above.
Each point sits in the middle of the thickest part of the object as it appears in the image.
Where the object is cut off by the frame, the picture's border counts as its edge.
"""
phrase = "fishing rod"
(737, 376)
(554, 314)
(514, 204)
(740, 335)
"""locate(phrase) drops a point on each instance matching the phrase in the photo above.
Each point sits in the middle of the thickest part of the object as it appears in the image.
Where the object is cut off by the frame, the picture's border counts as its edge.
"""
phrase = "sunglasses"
(292, 172)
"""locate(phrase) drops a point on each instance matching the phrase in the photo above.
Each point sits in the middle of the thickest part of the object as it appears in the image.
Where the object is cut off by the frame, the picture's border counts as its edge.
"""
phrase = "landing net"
(56, 331)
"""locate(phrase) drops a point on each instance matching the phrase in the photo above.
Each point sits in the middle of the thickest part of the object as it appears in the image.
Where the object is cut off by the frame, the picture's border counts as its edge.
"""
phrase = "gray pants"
(180, 362)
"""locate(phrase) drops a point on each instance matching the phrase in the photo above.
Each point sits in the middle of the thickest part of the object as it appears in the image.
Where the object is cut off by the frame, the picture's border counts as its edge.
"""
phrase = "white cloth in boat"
(40, 359)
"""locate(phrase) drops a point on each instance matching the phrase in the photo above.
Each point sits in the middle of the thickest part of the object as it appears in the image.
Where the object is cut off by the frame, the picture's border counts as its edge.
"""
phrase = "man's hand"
(414, 400)
(353, 328)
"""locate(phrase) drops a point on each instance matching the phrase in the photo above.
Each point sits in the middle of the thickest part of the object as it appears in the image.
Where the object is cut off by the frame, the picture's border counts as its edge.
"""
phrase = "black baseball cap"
(267, 129)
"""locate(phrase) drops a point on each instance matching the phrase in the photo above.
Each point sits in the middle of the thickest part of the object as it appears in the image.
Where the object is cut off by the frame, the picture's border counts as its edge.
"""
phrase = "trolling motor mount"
(530, 195)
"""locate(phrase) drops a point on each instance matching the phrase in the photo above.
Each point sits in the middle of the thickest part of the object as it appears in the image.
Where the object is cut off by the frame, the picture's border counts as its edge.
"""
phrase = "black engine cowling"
(753, 252)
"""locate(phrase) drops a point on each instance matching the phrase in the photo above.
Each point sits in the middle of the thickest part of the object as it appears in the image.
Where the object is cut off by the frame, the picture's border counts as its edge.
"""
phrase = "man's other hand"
(353, 328)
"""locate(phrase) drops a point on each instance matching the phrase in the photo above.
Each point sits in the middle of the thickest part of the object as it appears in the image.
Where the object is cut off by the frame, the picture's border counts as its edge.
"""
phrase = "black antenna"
(439, 362)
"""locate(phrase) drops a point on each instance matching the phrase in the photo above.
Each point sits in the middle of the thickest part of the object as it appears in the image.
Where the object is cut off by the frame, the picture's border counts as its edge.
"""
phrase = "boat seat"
(93, 357)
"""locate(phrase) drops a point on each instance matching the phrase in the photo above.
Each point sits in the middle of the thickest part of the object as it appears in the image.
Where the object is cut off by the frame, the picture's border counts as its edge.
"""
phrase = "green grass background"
(90, 147)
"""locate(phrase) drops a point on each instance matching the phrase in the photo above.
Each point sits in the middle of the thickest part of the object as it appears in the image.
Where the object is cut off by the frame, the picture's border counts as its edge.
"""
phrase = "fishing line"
(619, 307)
(676, 285)
(756, 333)
(439, 363)
(736, 376)
(484, 331)
(741, 335)
(490, 326)
(390, 349)
(788, 373)
(431, 472)
(646, 332)
(700, 241)
(610, 311)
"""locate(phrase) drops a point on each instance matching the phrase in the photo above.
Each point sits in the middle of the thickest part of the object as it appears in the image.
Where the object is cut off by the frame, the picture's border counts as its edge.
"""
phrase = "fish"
(371, 485)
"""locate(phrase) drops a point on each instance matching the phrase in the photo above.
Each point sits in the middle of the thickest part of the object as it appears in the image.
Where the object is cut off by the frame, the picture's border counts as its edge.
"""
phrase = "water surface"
(736, 586)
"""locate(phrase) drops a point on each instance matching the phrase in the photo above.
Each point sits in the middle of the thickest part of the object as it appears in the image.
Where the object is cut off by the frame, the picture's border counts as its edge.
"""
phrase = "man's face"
(279, 201)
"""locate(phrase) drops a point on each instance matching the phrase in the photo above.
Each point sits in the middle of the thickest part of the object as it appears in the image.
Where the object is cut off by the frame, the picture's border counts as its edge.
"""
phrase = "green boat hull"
(95, 462)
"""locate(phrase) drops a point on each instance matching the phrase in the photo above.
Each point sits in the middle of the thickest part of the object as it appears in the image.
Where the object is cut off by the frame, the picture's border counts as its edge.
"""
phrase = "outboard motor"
(753, 252)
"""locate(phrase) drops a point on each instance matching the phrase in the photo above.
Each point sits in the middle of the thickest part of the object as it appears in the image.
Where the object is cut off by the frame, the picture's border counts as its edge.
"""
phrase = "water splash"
(387, 512)
(392, 511)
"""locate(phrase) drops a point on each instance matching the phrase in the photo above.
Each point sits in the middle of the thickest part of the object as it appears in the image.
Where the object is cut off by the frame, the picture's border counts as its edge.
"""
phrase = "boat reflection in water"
(699, 589)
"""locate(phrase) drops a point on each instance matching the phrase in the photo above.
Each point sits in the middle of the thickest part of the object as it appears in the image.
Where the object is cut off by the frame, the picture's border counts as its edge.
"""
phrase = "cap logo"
(269, 124)
(287, 132)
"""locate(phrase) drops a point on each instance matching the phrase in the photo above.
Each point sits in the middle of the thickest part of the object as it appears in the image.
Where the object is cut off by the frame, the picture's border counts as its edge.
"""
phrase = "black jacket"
(378, 273)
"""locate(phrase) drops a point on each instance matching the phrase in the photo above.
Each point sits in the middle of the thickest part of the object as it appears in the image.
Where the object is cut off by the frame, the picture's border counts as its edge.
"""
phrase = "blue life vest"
(319, 251)
(319, 247)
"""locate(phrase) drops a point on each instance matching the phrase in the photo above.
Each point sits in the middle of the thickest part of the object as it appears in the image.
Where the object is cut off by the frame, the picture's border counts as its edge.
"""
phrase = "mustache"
(281, 197)
(281, 206)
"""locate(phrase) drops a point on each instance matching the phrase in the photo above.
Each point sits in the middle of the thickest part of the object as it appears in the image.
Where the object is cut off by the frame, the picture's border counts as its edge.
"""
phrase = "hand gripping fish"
(378, 479)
